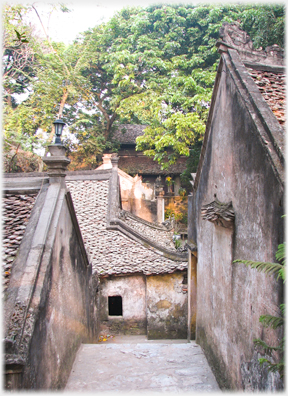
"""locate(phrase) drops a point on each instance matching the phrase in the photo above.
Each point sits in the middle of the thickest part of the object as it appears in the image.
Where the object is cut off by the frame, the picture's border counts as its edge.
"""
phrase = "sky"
(84, 14)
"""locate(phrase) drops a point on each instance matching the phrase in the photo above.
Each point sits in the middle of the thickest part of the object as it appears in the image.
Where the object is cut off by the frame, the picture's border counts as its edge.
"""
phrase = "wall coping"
(265, 122)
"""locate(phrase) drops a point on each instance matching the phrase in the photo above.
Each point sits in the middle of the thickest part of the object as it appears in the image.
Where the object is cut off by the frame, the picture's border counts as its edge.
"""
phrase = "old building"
(236, 211)
(141, 274)
(136, 163)
(77, 265)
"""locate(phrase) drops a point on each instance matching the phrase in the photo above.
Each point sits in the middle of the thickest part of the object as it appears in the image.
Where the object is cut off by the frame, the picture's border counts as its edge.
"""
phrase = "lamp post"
(59, 125)
(57, 162)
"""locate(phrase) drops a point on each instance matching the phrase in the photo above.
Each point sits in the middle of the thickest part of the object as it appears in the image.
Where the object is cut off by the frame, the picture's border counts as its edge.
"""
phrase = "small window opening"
(184, 279)
(115, 305)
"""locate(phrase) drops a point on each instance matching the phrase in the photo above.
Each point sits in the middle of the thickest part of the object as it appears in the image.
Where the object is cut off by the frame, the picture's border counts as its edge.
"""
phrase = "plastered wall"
(132, 289)
(167, 306)
(231, 297)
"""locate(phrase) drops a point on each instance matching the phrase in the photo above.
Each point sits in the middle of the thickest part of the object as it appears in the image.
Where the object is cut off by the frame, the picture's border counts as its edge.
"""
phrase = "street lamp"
(59, 125)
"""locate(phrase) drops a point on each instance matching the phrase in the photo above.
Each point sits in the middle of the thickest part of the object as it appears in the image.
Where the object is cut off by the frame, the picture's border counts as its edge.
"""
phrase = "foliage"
(154, 66)
(265, 24)
(191, 165)
(182, 192)
(177, 209)
(18, 55)
(270, 320)
(169, 181)
(52, 81)
(17, 160)
(177, 243)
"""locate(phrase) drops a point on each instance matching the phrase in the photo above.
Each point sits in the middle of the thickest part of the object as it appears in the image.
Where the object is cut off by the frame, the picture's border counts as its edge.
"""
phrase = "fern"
(267, 348)
(274, 367)
(270, 320)
(268, 268)
(280, 254)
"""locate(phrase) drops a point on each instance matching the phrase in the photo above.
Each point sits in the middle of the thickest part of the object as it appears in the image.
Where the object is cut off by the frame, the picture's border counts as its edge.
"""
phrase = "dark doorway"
(115, 305)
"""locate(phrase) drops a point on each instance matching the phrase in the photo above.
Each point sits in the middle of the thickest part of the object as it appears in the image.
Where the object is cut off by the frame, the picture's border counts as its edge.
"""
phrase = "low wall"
(66, 314)
(50, 303)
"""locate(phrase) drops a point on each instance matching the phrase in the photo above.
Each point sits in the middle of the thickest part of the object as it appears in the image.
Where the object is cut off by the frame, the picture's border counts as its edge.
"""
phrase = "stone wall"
(167, 306)
(50, 301)
(68, 315)
(238, 165)
(132, 290)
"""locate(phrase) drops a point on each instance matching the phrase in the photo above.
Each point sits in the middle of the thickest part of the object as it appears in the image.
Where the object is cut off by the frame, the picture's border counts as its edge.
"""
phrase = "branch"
(49, 42)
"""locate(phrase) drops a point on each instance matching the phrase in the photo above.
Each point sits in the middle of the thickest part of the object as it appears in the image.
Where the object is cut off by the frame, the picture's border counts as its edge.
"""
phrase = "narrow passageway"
(133, 363)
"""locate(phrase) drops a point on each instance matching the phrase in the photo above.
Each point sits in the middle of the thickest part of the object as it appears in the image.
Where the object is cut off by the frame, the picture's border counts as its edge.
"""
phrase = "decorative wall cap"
(57, 162)
(233, 37)
(219, 213)
(114, 161)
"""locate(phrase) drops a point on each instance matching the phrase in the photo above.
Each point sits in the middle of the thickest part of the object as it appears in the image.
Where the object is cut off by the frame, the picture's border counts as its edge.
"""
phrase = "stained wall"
(132, 289)
(231, 297)
(167, 306)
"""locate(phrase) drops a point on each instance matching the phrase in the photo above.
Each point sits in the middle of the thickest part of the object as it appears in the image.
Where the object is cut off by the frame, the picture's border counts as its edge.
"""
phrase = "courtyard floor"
(135, 364)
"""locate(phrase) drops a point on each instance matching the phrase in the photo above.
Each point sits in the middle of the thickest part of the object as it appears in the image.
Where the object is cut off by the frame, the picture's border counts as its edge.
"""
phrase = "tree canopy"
(154, 66)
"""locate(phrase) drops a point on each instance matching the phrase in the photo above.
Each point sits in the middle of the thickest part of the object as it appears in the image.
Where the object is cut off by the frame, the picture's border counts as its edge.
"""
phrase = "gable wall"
(49, 303)
(231, 297)
(155, 305)
(67, 314)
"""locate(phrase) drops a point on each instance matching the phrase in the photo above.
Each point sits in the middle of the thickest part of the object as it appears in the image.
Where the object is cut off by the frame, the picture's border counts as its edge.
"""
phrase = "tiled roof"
(160, 235)
(146, 166)
(272, 87)
(16, 213)
(112, 252)
(127, 133)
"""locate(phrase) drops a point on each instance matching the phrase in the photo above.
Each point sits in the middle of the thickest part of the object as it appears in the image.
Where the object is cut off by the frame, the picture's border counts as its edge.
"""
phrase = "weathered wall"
(50, 302)
(67, 311)
(167, 306)
(231, 297)
(133, 293)
(137, 197)
(192, 295)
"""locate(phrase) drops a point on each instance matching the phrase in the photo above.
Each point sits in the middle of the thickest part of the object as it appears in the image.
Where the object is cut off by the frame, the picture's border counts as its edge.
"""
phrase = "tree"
(17, 53)
(156, 66)
(55, 81)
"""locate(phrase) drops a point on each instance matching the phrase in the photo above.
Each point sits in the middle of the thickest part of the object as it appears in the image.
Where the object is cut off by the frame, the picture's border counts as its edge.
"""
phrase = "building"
(77, 265)
(136, 163)
(236, 211)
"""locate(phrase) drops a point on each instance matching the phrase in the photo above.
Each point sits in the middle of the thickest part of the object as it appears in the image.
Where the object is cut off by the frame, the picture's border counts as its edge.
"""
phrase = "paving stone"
(141, 365)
